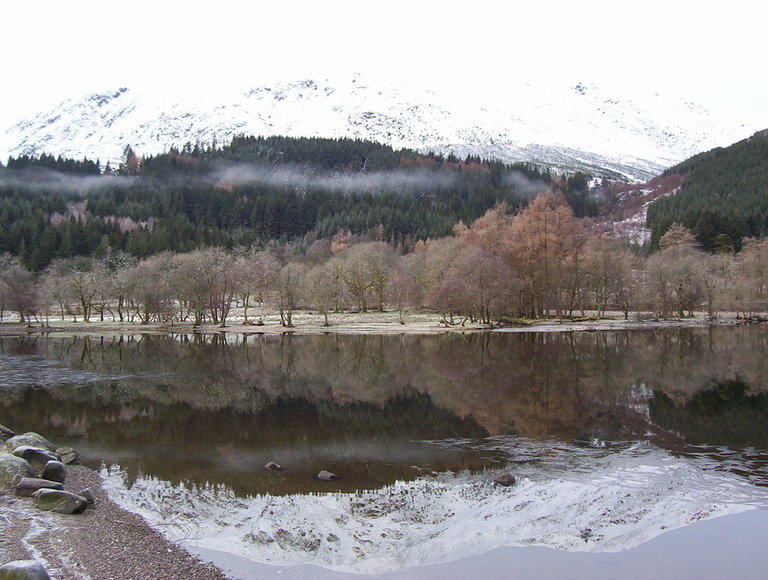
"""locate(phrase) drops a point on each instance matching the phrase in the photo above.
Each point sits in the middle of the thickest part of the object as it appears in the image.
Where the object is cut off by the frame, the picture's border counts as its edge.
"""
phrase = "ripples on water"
(25, 370)
(538, 459)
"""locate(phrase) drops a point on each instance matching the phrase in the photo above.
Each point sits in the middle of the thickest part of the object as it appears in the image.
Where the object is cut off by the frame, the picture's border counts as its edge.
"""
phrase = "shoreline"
(306, 323)
(105, 541)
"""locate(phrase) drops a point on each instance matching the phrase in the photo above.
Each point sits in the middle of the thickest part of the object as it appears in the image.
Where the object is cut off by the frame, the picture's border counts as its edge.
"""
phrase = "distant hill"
(723, 192)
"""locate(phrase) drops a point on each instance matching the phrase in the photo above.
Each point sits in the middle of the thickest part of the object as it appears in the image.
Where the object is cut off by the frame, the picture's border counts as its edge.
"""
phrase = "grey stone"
(35, 455)
(23, 570)
(29, 440)
(5, 433)
(12, 467)
(68, 455)
(87, 495)
(326, 476)
(27, 486)
(62, 502)
(43, 440)
(505, 479)
(54, 471)
(272, 466)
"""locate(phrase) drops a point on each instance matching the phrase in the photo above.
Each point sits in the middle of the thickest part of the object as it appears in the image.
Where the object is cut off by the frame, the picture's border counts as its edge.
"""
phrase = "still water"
(679, 416)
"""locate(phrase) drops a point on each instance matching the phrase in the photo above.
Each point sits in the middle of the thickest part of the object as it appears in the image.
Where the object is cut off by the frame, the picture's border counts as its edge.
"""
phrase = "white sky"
(714, 54)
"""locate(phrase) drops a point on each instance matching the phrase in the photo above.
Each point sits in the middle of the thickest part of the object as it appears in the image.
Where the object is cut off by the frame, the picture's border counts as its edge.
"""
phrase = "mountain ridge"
(565, 127)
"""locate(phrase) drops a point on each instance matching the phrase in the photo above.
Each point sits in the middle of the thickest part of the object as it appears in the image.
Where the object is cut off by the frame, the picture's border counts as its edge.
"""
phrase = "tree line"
(540, 260)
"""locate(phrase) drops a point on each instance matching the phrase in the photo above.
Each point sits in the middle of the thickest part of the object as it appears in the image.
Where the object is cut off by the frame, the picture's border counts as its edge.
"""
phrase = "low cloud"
(523, 184)
(372, 182)
(37, 179)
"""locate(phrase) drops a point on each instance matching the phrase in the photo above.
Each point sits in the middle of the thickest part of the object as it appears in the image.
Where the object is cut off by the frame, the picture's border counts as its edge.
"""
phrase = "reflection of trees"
(723, 414)
(104, 412)
(536, 384)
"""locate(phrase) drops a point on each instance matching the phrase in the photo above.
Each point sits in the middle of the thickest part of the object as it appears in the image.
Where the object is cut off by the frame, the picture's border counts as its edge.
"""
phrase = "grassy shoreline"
(387, 322)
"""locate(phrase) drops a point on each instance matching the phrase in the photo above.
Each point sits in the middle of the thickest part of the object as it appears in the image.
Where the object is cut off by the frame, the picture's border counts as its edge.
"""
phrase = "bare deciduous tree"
(289, 291)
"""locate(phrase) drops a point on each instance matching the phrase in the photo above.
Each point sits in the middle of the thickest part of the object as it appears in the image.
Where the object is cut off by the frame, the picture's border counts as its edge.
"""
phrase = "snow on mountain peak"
(568, 127)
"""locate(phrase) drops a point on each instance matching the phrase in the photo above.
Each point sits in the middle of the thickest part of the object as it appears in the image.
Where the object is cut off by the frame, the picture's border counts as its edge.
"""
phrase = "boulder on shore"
(54, 471)
(62, 502)
(27, 486)
(5, 433)
(35, 454)
(30, 440)
(68, 455)
(12, 467)
(87, 495)
(23, 570)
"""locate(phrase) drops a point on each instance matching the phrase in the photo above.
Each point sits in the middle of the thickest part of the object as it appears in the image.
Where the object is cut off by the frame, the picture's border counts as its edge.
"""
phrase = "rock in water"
(326, 476)
(12, 467)
(27, 486)
(62, 502)
(54, 471)
(505, 479)
(5, 433)
(23, 570)
(272, 466)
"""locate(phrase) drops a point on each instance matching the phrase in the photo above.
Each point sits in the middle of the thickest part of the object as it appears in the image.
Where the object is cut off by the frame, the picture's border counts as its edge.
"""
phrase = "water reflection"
(217, 407)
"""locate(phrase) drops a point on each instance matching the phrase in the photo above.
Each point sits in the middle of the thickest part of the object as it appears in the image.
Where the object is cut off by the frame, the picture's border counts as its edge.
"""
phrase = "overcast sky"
(712, 53)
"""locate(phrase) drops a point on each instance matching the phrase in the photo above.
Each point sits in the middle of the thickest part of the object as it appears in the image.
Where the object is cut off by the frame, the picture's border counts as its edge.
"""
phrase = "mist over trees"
(253, 191)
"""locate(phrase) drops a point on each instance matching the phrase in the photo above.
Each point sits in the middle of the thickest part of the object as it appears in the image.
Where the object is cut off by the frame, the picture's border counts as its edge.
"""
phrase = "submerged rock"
(27, 486)
(55, 471)
(62, 502)
(23, 570)
(272, 466)
(12, 467)
(505, 479)
(326, 476)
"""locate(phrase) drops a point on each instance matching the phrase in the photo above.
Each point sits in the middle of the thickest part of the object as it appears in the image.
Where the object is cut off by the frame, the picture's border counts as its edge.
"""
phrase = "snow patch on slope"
(563, 126)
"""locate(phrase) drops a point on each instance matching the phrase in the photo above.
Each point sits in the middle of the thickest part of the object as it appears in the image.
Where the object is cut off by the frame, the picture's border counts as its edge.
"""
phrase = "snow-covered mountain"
(571, 126)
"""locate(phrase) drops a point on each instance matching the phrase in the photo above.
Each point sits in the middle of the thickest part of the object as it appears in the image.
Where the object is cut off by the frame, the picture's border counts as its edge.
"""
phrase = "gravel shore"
(105, 542)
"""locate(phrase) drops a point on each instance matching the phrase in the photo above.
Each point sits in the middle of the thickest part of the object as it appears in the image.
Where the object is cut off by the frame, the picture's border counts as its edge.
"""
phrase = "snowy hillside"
(566, 127)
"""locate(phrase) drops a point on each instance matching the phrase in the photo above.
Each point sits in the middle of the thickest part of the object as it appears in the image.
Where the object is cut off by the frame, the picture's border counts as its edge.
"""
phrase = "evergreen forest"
(254, 192)
(723, 198)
